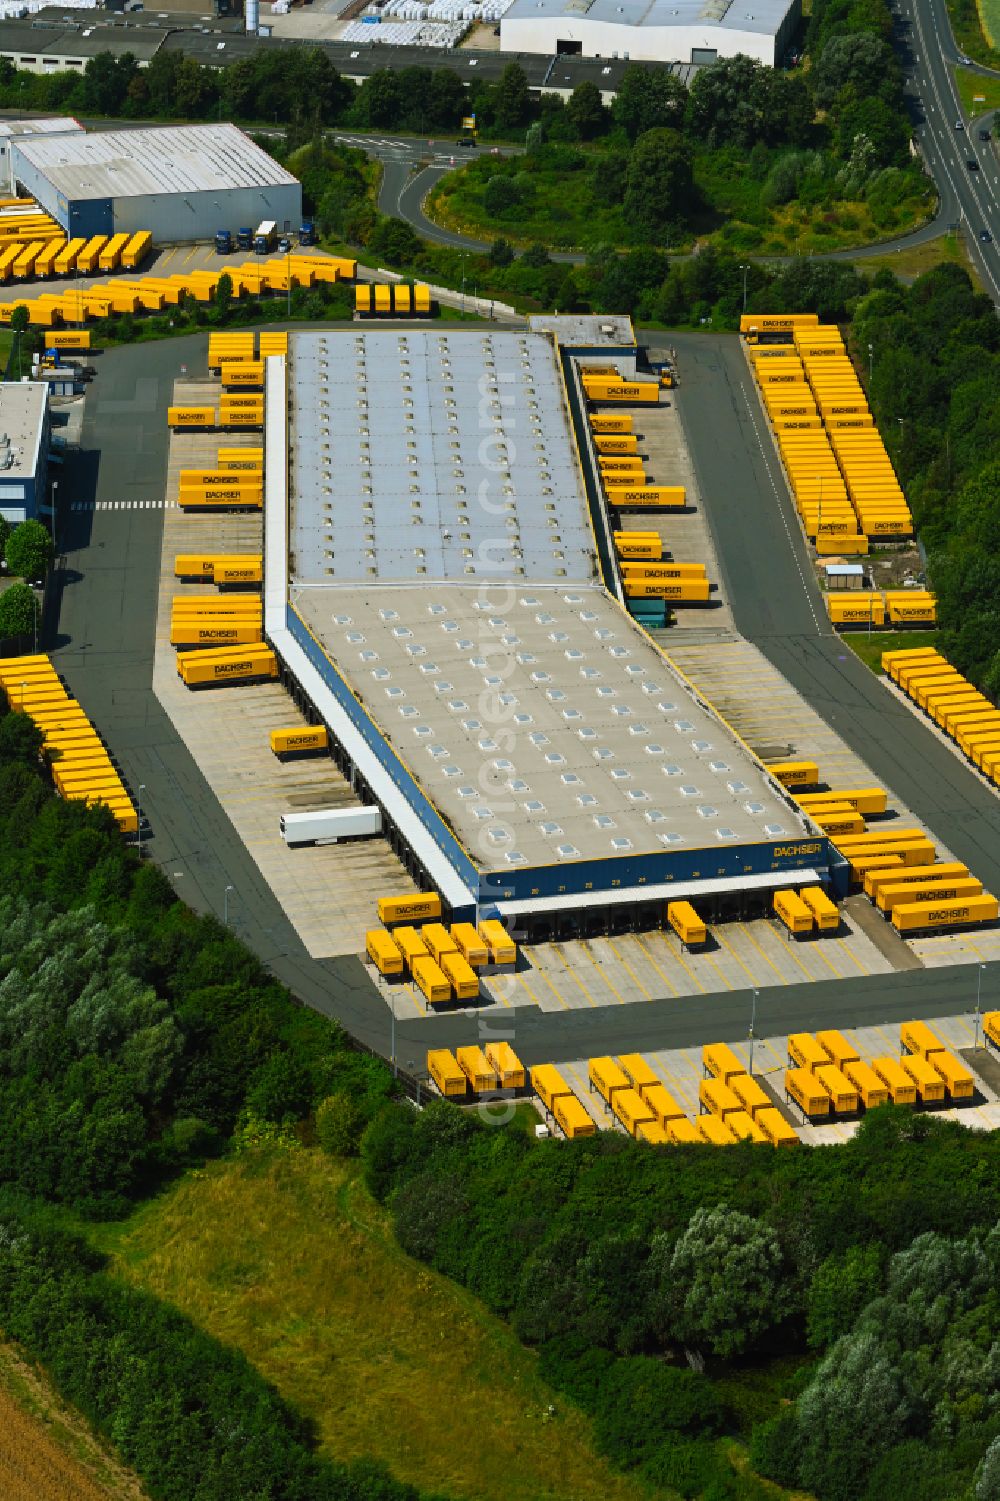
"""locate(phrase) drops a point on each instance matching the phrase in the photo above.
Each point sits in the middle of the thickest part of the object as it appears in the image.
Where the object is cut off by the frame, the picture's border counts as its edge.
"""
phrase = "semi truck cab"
(264, 239)
(307, 233)
(223, 242)
(244, 238)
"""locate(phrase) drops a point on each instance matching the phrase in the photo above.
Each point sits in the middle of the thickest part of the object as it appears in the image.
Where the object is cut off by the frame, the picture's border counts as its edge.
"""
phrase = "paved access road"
(769, 579)
(970, 195)
(108, 580)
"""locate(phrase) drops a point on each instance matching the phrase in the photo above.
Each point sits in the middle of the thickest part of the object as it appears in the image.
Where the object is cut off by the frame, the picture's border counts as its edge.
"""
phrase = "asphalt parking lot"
(681, 1071)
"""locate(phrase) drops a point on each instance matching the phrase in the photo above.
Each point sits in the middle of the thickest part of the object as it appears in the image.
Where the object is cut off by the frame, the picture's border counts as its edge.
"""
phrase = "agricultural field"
(284, 1255)
(47, 1453)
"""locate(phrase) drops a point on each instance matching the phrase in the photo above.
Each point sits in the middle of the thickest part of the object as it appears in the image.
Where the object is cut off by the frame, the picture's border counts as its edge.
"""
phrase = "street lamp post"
(225, 905)
(52, 514)
(753, 1024)
(871, 366)
(138, 809)
(392, 1034)
(979, 992)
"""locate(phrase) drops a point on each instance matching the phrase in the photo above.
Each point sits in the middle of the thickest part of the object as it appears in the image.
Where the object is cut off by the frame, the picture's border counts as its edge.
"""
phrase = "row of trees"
(615, 1260)
(188, 1414)
(136, 1035)
(936, 395)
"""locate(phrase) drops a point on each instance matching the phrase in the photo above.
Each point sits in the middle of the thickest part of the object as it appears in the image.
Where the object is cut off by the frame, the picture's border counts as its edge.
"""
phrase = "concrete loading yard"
(568, 965)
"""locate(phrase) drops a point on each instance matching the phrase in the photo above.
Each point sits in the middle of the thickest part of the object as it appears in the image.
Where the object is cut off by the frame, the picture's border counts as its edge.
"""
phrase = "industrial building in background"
(24, 448)
(181, 182)
(698, 32)
(16, 130)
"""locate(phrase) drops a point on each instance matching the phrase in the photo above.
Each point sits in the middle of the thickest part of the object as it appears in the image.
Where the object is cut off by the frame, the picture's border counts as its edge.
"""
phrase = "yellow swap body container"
(957, 1079)
(777, 1130)
(872, 1091)
(502, 947)
(460, 974)
(720, 1062)
(806, 1091)
(477, 1069)
(607, 1076)
(299, 739)
(430, 981)
(507, 1066)
(409, 909)
(470, 945)
(572, 1118)
(444, 1070)
(438, 940)
(383, 953)
(929, 1083)
(548, 1084)
(901, 1088)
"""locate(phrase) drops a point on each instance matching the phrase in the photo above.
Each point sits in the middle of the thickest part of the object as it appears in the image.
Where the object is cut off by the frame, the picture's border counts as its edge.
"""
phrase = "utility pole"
(225, 905)
(979, 993)
(753, 1024)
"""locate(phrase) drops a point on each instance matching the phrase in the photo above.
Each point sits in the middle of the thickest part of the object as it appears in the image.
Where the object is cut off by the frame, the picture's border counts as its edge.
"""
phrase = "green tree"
(643, 1399)
(850, 1415)
(20, 737)
(858, 61)
(988, 1474)
(840, 1289)
(223, 294)
(18, 613)
(727, 1281)
(648, 99)
(19, 318)
(585, 110)
(29, 550)
(339, 1124)
(501, 252)
(658, 183)
(511, 98)
(609, 177)
(4, 534)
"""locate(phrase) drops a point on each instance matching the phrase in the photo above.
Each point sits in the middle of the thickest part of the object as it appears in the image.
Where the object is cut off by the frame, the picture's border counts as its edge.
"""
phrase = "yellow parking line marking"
(681, 960)
(625, 964)
(788, 944)
(523, 979)
(563, 1003)
(653, 962)
(709, 959)
(820, 949)
(734, 955)
(574, 976)
(605, 977)
(843, 946)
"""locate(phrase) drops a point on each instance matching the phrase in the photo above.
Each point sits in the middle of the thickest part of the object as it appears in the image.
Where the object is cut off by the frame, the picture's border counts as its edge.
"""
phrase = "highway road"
(970, 195)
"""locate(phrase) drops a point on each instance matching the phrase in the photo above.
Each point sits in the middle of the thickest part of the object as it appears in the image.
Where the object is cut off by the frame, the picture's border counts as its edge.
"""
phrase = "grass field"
(47, 1453)
(989, 20)
(286, 1256)
(971, 85)
(948, 249)
(870, 647)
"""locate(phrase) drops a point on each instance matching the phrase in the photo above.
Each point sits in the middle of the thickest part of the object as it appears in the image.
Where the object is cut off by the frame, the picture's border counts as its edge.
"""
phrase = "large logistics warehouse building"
(433, 590)
(677, 31)
(182, 182)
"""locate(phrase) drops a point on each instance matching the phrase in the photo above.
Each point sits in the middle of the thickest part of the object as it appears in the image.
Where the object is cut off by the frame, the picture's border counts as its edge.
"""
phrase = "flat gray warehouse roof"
(438, 455)
(147, 162)
(765, 16)
(548, 730)
(441, 552)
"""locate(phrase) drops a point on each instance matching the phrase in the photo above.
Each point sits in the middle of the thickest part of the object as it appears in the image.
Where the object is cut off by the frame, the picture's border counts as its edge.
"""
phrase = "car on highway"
(972, 164)
(959, 124)
(986, 237)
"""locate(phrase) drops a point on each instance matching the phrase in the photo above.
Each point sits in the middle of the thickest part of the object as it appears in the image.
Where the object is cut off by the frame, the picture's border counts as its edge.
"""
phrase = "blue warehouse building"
(434, 592)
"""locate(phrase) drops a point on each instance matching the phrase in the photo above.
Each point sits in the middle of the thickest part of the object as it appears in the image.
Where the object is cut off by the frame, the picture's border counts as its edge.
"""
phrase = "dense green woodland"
(877, 1263)
(936, 398)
